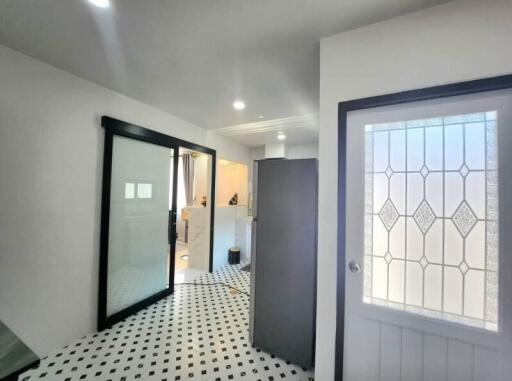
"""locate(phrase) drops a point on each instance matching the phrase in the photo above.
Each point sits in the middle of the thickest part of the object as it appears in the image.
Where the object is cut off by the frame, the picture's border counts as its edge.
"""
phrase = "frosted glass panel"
(431, 223)
(144, 190)
(129, 190)
(138, 229)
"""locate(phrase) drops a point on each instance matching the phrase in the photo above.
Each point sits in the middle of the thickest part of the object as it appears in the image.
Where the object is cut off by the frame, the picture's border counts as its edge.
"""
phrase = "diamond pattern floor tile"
(198, 333)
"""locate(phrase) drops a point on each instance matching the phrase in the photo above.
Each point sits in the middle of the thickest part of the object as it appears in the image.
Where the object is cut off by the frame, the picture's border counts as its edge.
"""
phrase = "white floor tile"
(198, 333)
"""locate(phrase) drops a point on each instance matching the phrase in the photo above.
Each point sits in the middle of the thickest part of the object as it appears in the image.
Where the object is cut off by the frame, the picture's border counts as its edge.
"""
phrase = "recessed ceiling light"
(100, 3)
(238, 105)
(261, 116)
(281, 136)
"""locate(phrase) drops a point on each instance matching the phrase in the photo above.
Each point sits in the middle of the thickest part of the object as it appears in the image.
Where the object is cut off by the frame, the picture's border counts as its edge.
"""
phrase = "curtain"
(181, 202)
(188, 178)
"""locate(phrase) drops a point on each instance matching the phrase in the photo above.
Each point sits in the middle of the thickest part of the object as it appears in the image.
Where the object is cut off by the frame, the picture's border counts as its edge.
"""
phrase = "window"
(129, 191)
(144, 190)
(431, 218)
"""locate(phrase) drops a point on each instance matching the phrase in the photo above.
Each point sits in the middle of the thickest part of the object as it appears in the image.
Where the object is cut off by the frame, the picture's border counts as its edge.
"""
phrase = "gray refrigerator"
(283, 259)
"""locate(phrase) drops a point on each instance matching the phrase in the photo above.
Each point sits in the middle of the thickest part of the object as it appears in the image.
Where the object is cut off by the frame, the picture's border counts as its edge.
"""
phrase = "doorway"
(193, 212)
(423, 235)
(156, 205)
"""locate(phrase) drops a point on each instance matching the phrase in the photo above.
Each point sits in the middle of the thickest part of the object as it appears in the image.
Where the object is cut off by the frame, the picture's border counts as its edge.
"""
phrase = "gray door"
(285, 259)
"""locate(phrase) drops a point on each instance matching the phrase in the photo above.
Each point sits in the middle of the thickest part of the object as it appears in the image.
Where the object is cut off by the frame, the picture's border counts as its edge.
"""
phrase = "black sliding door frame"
(438, 92)
(117, 127)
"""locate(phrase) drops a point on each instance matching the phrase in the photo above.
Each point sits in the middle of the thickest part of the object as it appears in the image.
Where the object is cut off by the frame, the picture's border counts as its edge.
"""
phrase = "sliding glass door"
(139, 222)
(139, 218)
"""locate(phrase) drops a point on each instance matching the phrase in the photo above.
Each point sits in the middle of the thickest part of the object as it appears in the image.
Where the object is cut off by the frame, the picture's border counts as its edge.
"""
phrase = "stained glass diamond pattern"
(388, 214)
(464, 170)
(436, 179)
(424, 171)
(424, 216)
(464, 219)
(463, 267)
(423, 262)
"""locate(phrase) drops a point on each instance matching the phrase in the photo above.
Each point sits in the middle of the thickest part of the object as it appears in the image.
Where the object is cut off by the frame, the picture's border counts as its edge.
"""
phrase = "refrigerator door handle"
(253, 279)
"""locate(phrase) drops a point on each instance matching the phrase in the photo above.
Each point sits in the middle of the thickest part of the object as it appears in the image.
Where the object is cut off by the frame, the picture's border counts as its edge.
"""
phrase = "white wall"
(459, 41)
(275, 151)
(51, 155)
(202, 173)
(257, 153)
(293, 151)
(302, 151)
(227, 149)
(232, 177)
(226, 220)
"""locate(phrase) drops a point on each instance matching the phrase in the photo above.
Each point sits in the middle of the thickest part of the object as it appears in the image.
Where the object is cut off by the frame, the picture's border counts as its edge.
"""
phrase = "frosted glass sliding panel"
(431, 217)
(138, 229)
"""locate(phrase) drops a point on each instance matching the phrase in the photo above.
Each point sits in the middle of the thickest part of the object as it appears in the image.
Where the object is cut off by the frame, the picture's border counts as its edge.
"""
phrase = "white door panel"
(430, 232)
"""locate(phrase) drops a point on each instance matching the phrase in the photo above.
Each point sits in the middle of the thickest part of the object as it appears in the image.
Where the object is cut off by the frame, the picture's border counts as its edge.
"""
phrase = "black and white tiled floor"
(198, 333)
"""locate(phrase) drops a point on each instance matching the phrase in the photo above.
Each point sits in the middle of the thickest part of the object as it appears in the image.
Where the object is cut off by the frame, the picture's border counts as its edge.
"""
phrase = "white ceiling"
(192, 58)
(302, 129)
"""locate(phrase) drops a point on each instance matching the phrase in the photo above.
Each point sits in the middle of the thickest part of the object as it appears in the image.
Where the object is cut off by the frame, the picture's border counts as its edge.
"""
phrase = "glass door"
(140, 216)
(427, 240)
(141, 222)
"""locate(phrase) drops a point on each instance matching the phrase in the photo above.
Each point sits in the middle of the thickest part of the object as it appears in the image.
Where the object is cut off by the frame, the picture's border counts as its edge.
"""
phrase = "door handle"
(354, 267)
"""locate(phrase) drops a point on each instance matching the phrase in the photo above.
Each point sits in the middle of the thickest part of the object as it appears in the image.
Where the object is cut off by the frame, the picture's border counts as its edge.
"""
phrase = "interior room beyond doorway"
(193, 214)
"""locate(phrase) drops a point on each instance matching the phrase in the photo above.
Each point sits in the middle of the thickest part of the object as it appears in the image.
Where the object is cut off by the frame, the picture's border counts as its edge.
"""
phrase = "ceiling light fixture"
(281, 136)
(100, 3)
(238, 105)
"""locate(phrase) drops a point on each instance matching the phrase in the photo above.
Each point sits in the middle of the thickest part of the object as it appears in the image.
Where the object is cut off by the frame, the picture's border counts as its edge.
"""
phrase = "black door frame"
(118, 127)
(430, 93)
